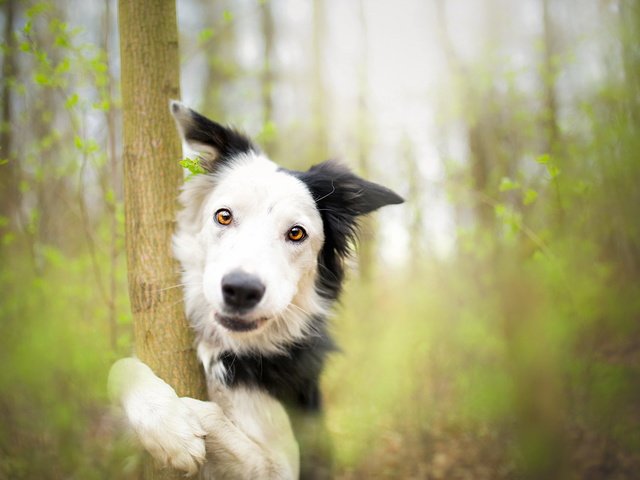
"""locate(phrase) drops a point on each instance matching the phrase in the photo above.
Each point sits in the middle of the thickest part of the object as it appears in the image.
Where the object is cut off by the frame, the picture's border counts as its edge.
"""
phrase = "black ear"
(335, 186)
(341, 197)
(211, 141)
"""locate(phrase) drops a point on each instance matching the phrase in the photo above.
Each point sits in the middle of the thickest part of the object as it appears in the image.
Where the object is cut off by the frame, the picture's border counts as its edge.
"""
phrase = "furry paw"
(170, 431)
(164, 423)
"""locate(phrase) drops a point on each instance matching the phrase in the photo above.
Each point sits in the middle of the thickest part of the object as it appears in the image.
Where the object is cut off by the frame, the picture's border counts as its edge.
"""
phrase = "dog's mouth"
(239, 324)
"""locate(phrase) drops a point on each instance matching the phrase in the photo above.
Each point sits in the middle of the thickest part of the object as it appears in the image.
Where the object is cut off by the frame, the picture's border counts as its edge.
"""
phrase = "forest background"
(491, 327)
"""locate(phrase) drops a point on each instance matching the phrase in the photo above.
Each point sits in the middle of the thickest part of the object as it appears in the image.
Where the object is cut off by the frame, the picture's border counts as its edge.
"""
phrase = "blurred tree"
(630, 35)
(415, 201)
(9, 191)
(267, 75)
(552, 140)
(218, 41)
(367, 244)
(477, 122)
(150, 77)
(320, 135)
(45, 219)
(111, 177)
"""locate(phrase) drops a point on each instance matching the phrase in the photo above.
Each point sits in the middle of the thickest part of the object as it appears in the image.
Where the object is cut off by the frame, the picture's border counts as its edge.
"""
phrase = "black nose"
(241, 291)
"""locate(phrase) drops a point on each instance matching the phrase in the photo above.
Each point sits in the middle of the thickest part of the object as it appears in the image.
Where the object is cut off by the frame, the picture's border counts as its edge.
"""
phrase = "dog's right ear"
(211, 141)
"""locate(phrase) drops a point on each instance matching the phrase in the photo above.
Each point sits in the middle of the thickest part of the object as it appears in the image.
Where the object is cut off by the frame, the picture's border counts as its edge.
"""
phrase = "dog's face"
(262, 235)
(262, 248)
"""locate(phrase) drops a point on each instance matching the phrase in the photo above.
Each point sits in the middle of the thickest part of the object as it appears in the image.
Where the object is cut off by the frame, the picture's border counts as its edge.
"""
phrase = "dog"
(262, 251)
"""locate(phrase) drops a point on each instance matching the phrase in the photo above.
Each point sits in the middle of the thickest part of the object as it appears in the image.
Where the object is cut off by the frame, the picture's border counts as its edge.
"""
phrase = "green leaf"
(544, 159)
(63, 67)
(227, 16)
(205, 34)
(507, 184)
(529, 196)
(553, 170)
(104, 105)
(109, 196)
(193, 165)
(269, 132)
(91, 146)
(42, 79)
(72, 101)
(8, 238)
(62, 41)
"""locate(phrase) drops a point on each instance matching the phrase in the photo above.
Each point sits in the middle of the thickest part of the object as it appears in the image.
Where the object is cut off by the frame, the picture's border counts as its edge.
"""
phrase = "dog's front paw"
(169, 430)
(164, 423)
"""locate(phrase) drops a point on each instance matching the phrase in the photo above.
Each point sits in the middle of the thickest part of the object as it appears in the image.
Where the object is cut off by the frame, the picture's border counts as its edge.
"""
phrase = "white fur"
(163, 423)
(265, 204)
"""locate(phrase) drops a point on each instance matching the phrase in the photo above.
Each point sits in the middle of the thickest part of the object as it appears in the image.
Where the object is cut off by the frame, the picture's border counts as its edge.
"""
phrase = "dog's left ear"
(371, 196)
(335, 187)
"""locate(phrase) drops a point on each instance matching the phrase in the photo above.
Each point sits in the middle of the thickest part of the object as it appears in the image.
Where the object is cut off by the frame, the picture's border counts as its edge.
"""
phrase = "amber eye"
(296, 234)
(223, 216)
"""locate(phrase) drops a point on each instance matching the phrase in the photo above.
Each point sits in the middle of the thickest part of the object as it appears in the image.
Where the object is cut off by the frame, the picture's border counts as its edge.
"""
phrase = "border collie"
(262, 251)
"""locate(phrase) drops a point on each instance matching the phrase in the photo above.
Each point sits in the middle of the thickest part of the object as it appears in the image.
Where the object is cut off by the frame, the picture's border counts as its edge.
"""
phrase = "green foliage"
(55, 335)
(514, 356)
(193, 165)
(58, 261)
(268, 134)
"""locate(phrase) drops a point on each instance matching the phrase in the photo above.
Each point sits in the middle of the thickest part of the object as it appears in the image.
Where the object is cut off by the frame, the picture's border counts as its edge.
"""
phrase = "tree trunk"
(368, 225)
(550, 118)
(222, 65)
(113, 181)
(150, 77)
(266, 77)
(629, 13)
(319, 93)
(9, 192)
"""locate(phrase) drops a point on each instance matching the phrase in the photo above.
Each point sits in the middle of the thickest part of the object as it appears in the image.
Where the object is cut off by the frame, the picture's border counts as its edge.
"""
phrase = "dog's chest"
(291, 377)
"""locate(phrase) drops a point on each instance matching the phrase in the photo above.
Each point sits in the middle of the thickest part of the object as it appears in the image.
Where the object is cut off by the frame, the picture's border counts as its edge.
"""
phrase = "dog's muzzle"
(239, 324)
(241, 291)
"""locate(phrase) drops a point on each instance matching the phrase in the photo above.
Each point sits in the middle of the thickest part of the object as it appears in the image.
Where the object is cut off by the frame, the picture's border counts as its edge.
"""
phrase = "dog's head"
(262, 248)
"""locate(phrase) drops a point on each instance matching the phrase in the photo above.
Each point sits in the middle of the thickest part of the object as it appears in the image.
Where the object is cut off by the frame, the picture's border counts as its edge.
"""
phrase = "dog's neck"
(291, 375)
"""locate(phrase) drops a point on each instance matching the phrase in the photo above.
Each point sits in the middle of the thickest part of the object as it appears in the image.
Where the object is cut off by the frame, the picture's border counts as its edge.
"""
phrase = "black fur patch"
(226, 141)
(341, 196)
(291, 377)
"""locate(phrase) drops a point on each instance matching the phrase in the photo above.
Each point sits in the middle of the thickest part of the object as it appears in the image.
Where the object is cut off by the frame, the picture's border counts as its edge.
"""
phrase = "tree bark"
(152, 176)
(9, 192)
(550, 118)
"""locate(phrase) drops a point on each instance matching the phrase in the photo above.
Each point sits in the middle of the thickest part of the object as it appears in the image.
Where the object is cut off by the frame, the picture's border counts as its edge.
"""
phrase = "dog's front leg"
(250, 439)
(163, 422)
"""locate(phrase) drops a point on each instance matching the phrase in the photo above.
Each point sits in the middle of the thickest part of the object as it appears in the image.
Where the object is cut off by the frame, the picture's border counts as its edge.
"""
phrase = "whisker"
(299, 308)
(333, 190)
(172, 286)
(176, 286)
